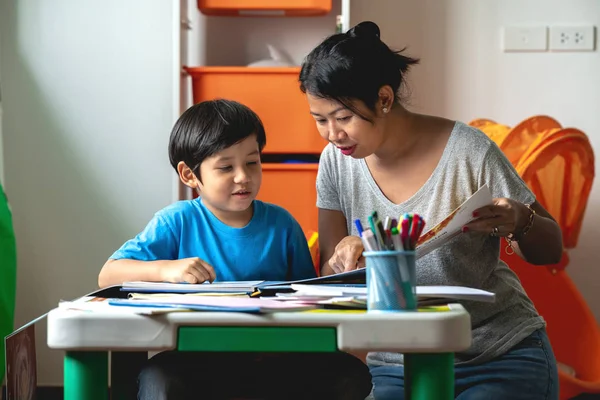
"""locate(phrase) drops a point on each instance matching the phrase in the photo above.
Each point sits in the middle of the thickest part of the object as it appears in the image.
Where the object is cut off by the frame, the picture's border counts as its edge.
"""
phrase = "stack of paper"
(214, 303)
(102, 304)
(356, 296)
(165, 303)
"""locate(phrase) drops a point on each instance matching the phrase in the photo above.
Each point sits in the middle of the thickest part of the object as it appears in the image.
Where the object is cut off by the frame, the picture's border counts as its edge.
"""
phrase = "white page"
(450, 292)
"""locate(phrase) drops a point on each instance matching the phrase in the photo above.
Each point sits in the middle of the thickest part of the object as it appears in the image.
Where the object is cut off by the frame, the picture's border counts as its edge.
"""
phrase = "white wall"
(90, 93)
(464, 75)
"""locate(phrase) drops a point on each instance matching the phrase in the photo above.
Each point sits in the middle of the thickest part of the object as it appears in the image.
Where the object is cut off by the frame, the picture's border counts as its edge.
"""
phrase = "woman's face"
(351, 134)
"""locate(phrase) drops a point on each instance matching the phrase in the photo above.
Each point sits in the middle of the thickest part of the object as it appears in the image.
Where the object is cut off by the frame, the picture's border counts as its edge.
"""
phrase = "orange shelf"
(293, 187)
(261, 8)
(274, 94)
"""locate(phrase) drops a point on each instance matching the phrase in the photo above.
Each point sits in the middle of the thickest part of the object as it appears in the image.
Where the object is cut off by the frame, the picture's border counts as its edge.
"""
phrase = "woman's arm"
(542, 244)
(338, 251)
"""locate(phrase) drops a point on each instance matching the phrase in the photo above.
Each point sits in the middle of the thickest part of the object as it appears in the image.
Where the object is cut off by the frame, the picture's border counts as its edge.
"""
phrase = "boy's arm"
(190, 270)
(115, 272)
(152, 256)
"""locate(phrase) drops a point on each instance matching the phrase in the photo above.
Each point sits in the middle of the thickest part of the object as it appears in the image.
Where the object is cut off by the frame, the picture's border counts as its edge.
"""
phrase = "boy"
(225, 234)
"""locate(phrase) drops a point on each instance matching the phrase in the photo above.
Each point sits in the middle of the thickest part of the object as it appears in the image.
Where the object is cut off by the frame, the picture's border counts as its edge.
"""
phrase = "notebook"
(166, 287)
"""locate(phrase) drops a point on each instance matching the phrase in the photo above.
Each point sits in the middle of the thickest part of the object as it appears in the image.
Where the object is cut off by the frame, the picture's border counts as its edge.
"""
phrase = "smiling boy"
(226, 234)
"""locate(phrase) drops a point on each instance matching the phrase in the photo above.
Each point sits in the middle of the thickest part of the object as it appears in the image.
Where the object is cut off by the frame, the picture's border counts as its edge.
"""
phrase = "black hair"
(211, 126)
(354, 65)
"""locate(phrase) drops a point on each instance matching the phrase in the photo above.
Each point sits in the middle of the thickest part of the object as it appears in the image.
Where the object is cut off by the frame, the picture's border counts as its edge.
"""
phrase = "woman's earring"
(385, 110)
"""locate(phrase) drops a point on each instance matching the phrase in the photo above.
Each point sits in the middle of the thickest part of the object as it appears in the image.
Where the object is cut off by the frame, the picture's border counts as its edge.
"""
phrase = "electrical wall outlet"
(525, 38)
(573, 38)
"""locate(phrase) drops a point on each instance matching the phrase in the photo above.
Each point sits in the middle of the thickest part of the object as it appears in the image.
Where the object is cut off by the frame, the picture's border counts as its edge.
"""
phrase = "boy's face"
(231, 178)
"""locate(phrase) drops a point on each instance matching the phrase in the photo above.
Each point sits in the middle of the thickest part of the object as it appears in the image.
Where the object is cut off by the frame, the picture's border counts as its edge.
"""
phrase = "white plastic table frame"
(428, 339)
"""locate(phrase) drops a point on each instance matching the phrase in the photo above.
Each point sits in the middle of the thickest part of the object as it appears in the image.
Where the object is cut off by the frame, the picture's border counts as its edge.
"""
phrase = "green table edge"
(257, 339)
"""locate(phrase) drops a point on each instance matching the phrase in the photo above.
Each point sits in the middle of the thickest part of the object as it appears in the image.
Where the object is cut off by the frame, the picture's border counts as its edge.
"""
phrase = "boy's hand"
(190, 270)
(347, 255)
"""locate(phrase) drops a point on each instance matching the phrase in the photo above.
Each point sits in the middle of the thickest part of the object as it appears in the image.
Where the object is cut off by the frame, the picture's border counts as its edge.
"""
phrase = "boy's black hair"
(354, 65)
(208, 127)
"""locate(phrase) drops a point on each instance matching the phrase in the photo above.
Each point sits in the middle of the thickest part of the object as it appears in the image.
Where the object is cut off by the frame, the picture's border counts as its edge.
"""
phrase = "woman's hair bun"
(365, 29)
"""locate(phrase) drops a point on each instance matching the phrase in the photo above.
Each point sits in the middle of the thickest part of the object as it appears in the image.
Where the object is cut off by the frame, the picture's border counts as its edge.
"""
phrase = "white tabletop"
(444, 331)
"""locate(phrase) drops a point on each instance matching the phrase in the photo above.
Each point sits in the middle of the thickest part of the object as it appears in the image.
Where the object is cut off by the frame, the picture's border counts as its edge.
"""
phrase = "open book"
(452, 225)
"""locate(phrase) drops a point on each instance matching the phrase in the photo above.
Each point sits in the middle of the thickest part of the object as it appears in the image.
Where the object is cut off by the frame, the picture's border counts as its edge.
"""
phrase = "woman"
(383, 157)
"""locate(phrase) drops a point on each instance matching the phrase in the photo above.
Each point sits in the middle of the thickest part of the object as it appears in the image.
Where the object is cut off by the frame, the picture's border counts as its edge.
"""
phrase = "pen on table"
(397, 242)
(404, 231)
(359, 226)
(373, 223)
(387, 225)
(369, 240)
(407, 291)
(382, 236)
(414, 231)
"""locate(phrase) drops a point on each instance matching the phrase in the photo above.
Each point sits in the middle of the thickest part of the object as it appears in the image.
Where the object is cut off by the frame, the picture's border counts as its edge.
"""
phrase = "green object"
(86, 375)
(8, 275)
(257, 338)
(429, 376)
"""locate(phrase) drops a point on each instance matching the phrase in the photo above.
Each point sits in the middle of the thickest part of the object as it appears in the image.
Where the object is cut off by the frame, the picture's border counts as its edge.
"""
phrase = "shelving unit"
(217, 69)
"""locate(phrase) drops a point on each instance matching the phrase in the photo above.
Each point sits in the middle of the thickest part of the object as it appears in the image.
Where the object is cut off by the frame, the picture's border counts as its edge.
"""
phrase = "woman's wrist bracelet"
(512, 237)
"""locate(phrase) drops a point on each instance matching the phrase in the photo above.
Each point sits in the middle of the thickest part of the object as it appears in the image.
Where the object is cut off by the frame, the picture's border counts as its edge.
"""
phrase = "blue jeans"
(527, 371)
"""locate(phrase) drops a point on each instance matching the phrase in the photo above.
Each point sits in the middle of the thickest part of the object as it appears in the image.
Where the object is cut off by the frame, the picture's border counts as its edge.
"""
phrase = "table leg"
(429, 376)
(125, 367)
(86, 375)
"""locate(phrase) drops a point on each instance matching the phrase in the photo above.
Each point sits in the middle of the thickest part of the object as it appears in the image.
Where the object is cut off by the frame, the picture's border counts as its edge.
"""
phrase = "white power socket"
(573, 38)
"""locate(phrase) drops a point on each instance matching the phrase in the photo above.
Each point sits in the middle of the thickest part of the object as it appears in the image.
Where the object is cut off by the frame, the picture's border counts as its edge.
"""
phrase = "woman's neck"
(401, 137)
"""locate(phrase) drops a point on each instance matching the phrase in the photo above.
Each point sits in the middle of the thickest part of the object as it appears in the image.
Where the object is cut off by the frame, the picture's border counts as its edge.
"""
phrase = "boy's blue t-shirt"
(270, 247)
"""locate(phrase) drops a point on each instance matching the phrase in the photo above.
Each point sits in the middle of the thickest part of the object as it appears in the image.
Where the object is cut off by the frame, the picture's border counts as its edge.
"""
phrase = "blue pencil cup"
(391, 280)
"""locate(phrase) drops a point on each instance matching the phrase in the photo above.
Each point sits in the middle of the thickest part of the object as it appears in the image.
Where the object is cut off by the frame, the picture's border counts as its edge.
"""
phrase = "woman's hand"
(347, 255)
(502, 218)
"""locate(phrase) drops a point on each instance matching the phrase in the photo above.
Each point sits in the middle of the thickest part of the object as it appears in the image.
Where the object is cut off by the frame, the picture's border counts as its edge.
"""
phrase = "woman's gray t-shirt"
(469, 161)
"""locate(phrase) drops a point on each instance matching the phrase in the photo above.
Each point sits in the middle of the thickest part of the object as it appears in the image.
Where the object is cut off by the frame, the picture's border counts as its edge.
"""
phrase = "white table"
(428, 339)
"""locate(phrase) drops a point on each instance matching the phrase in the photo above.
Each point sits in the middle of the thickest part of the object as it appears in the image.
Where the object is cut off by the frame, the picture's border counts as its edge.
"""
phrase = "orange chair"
(560, 171)
(558, 165)
(571, 326)
(515, 141)
(313, 245)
